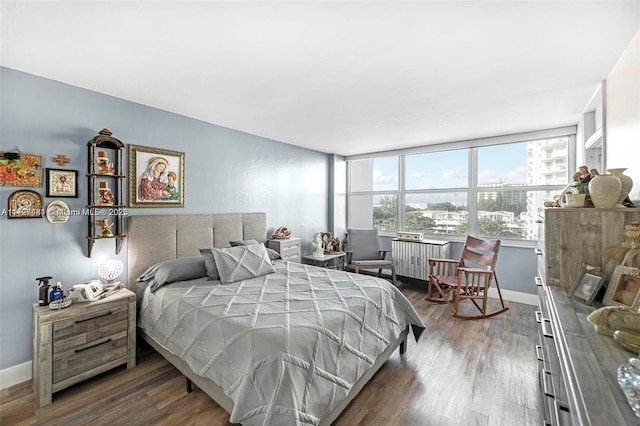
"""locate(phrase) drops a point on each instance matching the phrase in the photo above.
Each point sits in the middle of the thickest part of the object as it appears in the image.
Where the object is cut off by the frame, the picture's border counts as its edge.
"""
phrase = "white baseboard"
(516, 296)
(14, 375)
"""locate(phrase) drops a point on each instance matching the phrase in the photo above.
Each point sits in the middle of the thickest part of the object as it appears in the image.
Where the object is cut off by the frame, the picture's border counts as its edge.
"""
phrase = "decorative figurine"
(281, 233)
(104, 166)
(106, 195)
(317, 245)
(105, 226)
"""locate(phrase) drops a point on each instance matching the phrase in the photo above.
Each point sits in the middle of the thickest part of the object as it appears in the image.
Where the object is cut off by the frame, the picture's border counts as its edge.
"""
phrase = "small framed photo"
(587, 285)
(156, 177)
(62, 183)
(624, 288)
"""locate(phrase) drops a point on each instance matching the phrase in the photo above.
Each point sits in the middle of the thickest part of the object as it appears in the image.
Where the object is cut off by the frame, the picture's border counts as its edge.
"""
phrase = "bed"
(291, 346)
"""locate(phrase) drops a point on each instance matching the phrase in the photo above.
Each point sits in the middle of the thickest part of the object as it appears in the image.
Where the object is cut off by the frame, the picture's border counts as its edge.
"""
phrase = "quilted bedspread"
(286, 347)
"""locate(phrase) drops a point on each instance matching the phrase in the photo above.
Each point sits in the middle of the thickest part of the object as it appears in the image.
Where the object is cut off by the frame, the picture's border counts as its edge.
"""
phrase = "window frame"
(473, 189)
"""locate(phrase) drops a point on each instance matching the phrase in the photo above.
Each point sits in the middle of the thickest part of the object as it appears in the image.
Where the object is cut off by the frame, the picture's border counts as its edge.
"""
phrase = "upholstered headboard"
(152, 239)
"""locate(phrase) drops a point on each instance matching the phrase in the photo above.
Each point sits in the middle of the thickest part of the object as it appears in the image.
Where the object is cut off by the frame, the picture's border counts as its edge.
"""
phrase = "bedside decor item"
(65, 302)
(330, 243)
(604, 191)
(43, 290)
(110, 269)
(62, 183)
(105, 190)
(318, 250)
(20, 169)
(587, 285)
(624, 288)
(281, 233)
(58, 212)
(25, 204)
(626, 183)
(156, 177)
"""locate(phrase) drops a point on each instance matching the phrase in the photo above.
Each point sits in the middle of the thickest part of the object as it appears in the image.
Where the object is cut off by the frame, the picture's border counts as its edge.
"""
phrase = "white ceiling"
(337, 77)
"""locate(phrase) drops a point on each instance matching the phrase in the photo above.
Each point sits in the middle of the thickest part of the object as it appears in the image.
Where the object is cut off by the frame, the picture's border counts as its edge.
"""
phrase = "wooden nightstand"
(290, 249)
(81, 341)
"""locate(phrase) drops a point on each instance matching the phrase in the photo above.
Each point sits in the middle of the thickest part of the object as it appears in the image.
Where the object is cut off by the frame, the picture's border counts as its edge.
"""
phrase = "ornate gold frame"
(141, 159)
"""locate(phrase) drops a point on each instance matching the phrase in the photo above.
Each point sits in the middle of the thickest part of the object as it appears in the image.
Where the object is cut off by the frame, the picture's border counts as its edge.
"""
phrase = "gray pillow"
(242, 262)
(184, 268)
(210, 264)
(236, 243)
(273, 255)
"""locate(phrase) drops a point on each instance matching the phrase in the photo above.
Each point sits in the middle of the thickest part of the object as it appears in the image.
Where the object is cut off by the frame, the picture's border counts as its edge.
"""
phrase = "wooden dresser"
(578, 366)
(81, 341)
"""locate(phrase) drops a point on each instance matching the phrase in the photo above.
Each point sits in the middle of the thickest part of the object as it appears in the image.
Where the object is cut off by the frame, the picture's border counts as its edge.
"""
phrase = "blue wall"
(226, 171)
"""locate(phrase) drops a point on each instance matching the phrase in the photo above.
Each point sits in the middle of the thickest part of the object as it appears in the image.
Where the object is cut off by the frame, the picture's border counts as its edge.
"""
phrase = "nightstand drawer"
(74, 362)
(86, 329)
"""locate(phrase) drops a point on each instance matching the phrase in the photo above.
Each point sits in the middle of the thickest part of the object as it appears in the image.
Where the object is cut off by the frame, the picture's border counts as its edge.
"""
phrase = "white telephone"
(92, 291)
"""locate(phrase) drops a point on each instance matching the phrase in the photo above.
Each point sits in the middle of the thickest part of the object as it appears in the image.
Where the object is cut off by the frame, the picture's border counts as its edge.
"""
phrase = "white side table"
(326, 260)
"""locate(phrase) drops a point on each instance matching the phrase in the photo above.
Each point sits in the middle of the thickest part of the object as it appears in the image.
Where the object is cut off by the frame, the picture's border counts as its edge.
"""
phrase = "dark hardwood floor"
(480, 372)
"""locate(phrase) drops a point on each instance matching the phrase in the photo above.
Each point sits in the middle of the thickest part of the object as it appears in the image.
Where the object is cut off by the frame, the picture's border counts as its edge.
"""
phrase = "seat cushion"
(382, 263)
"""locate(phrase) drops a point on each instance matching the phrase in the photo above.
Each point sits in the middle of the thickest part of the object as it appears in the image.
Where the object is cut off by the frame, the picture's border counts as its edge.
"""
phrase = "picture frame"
(62, 183)
(20, 169)
(25, 204)
(156, 177)
(587, 284)
(624, 288)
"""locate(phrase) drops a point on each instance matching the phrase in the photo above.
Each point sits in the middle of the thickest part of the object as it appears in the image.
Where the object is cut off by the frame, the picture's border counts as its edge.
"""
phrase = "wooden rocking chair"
(466, 279)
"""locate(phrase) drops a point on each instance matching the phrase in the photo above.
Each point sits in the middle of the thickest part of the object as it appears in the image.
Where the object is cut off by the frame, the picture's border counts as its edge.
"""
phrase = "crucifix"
(60, 159)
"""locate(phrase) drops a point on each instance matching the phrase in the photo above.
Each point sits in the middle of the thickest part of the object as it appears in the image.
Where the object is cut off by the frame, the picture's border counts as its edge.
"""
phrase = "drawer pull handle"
(539, 281)
(538, 252)
(539, 353)
(538, 317)
(547, 390)
(92, 318)
(92, 346)
(545, 330)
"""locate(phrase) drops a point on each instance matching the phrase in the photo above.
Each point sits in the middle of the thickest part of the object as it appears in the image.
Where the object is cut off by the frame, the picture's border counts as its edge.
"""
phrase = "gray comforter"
(285, 347)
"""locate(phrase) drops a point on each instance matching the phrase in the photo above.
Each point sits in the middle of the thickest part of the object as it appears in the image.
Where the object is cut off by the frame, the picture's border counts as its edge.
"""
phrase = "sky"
(449, 169)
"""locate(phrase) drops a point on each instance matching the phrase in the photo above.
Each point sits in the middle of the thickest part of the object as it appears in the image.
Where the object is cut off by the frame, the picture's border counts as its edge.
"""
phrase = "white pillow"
(242, 262)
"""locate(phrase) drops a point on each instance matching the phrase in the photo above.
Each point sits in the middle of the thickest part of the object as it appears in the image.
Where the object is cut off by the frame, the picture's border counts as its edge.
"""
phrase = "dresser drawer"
(92, 327)
(74, 362)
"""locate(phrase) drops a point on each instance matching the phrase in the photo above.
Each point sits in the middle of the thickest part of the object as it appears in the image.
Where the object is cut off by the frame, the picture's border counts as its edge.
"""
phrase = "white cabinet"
(411, 258)
(290, 249)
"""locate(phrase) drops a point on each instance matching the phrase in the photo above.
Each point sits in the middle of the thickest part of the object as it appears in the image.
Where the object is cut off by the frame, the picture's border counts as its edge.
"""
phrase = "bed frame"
(152, 239)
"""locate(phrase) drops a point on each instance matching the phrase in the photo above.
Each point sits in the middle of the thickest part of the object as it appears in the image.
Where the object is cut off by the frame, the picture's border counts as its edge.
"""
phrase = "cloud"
(417, 175)
(380, 177)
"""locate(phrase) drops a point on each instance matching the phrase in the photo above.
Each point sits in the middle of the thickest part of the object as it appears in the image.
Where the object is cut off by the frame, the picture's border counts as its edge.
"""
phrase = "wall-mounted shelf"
(105, 190)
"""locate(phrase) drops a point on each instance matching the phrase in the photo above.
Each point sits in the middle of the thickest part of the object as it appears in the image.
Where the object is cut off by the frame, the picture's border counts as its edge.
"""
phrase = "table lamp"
(109, 270)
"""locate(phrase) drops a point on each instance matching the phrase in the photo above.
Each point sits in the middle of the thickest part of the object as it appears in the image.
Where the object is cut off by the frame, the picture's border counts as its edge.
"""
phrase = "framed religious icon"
(624, 288)
(25, 204)
(62, 183)
(20, 169)
(156, 177)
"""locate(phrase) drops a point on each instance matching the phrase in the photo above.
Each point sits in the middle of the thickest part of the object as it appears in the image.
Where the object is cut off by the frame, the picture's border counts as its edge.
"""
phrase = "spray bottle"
(43, 294)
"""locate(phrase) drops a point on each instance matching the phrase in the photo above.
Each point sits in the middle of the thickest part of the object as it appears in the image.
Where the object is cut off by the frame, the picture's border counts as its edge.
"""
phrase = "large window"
(484, 189)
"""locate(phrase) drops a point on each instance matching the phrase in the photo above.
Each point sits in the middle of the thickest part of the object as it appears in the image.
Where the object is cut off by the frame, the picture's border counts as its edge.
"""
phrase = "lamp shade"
(109, 270)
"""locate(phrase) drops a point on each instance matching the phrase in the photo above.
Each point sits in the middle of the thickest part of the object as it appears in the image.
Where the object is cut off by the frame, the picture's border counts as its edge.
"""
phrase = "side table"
(72, 344)
(326, 260)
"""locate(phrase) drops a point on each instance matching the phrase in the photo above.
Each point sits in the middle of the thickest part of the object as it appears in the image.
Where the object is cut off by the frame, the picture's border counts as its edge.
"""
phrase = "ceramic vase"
(604, 191)
(626, 184)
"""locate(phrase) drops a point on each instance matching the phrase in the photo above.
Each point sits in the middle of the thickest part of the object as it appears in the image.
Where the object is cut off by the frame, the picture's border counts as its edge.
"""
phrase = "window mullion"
(472, 195)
